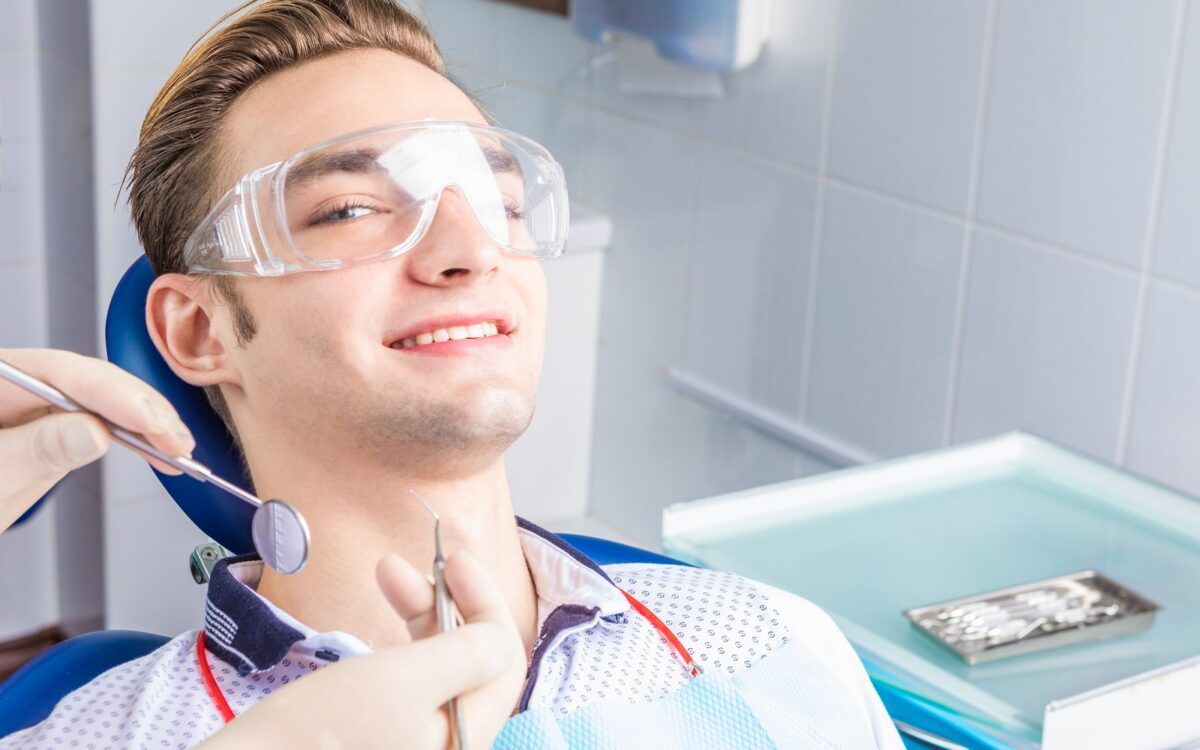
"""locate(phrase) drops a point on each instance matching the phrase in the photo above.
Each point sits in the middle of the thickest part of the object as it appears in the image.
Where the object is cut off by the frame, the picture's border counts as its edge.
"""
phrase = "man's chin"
(483, 426)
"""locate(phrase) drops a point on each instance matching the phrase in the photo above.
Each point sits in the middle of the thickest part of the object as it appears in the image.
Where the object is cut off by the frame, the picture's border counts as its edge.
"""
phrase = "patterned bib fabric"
(789, 699)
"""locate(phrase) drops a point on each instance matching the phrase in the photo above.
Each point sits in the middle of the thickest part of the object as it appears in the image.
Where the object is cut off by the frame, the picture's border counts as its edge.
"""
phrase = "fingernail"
(80, 442)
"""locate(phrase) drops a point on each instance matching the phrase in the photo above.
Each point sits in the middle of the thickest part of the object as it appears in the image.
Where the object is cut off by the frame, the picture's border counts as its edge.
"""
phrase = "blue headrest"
(222, 517)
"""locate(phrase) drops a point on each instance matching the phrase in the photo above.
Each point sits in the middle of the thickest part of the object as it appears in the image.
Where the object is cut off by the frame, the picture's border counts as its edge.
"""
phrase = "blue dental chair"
(28, 696)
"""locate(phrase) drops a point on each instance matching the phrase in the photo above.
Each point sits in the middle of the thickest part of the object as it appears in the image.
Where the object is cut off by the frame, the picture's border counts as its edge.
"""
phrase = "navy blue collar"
(246, 632)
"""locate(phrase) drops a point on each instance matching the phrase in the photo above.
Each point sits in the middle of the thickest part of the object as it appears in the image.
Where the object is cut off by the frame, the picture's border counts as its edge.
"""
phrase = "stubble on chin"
(403, 429)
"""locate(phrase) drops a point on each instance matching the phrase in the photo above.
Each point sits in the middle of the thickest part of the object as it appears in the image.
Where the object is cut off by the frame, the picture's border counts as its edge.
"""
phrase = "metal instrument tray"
(1034, 616)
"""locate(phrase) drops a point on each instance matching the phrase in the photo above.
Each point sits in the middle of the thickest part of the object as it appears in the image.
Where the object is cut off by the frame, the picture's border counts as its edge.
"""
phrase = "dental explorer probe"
(444, 606)
(280, 533)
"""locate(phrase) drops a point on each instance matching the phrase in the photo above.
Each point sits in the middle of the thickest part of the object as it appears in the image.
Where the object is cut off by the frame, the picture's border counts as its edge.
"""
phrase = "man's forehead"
(343, 93)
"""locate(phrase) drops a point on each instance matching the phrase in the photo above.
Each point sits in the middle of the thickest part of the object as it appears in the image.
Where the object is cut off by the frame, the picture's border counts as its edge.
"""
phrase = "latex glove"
(395, 697)
(39, 444)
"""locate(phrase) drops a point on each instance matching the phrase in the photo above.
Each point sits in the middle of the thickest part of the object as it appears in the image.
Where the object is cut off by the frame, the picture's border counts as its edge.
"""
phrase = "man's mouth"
(481, 330)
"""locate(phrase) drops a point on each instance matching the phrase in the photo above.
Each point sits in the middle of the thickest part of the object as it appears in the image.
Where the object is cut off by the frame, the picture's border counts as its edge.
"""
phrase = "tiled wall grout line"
(895, 199)
(960, 306)
(977, 224)
(814, 265)
(1160, 168)
(1175, 286)
(1061, 251)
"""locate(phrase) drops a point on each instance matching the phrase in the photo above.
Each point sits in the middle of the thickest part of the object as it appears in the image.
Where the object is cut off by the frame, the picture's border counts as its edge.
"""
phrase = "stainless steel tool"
(280, 533)
(446, 616)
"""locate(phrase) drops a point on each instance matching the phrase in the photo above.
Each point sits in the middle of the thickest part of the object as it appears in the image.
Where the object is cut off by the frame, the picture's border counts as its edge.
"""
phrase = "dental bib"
(789, 699)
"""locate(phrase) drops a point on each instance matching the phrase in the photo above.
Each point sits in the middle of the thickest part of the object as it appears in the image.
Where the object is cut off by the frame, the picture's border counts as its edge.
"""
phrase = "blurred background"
(904, 226)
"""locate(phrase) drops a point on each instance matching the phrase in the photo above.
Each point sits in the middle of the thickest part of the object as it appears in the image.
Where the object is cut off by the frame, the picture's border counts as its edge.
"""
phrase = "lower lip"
(460, 347)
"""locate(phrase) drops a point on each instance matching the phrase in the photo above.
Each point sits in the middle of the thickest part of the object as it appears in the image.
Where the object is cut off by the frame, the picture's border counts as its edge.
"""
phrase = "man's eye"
(516, 213)
(344, 212)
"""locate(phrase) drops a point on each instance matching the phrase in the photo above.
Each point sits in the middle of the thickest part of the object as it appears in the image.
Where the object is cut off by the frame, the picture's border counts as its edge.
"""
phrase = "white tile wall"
(648, 178)
(1046, 342)
(904, 97)
(1077, 95)
(775, 106)
(1166, 407)
(884, 323)
(1177, 250)
(748, 279)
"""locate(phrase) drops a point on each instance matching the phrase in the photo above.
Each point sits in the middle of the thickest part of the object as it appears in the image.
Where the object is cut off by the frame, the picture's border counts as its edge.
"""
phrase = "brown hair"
(174, 175)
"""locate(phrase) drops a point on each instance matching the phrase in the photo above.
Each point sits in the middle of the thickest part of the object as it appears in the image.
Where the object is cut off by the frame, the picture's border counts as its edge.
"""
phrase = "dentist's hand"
(395, 697)
(39, 444)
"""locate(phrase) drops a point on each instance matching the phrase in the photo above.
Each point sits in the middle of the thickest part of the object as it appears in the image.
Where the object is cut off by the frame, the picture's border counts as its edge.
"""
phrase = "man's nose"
(455, 248)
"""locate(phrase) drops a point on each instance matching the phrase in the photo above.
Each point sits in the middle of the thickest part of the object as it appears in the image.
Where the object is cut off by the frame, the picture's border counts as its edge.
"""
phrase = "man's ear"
(191, 332)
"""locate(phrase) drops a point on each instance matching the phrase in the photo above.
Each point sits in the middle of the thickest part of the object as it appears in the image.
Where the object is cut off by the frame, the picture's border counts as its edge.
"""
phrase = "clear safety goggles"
(372, 195)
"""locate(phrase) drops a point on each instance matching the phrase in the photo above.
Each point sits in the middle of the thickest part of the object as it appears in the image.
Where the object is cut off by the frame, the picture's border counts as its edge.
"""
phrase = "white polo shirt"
(592, 646)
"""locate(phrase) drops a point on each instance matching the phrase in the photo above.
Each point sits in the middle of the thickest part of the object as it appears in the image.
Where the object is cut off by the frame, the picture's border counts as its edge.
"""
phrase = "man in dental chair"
(348, 261)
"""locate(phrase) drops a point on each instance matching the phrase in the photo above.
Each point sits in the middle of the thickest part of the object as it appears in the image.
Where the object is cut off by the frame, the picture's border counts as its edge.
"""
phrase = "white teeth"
(456, 333)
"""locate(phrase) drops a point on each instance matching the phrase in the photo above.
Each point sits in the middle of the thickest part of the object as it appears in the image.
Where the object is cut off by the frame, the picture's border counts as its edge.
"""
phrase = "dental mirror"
(280, 533)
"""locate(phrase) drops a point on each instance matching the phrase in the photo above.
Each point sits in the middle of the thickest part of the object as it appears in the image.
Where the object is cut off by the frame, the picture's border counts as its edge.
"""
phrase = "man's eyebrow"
(501, 159)
(358, 161)
(366, 161)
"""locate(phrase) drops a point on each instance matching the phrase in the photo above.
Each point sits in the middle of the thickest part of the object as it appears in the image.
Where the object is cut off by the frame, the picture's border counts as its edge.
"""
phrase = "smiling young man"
(369, 318)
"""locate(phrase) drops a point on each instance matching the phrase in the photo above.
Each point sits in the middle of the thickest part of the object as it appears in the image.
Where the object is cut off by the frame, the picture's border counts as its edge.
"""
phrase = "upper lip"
(503, 319)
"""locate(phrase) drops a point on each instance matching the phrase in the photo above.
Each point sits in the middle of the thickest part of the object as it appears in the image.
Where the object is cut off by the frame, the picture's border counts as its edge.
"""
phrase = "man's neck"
(356, 519)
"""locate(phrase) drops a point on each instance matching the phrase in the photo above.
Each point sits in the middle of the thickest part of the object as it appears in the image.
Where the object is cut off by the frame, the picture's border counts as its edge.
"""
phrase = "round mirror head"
(280, 536)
